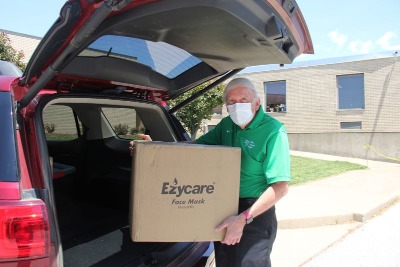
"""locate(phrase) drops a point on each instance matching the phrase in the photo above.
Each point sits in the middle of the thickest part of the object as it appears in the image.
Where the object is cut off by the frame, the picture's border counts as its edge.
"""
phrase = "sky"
(338, 28)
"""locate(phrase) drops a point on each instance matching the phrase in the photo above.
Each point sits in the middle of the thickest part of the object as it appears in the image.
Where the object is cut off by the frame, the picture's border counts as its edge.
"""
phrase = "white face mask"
(241, 113)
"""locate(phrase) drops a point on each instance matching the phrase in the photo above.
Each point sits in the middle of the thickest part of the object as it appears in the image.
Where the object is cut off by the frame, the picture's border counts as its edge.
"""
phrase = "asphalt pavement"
(315, 215)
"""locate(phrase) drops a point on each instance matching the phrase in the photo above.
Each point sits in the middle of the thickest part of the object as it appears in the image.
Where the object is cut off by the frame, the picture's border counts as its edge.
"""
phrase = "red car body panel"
(10, 190)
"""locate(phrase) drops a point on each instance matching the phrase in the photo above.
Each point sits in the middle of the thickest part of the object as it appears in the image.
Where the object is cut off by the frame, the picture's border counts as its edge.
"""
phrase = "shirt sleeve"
(277, 162)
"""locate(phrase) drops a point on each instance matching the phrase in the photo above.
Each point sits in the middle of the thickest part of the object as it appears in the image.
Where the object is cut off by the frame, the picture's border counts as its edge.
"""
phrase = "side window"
(60, 124)
(351, 91)
(125, 122)
(8, 156)
(275, 96)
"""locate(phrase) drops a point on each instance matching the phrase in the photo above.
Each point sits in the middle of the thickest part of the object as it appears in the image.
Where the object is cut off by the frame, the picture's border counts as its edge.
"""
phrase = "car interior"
(92, 172)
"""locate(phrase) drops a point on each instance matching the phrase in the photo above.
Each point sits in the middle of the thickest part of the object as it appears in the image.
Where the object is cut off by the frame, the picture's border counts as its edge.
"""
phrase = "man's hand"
(234, 229)
(142, 136)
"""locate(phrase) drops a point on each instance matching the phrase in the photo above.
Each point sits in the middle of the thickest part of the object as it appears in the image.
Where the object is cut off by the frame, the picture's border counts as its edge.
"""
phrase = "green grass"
(307, 169)
(60, 137)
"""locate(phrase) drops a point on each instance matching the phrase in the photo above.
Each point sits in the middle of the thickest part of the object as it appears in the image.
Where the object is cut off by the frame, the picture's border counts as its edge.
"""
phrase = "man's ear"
(257, 103)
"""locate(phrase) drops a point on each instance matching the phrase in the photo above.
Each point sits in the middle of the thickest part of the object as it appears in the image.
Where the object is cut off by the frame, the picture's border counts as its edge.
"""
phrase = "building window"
(351, 91)
(218, 110)
(351, 125)
(275, 96)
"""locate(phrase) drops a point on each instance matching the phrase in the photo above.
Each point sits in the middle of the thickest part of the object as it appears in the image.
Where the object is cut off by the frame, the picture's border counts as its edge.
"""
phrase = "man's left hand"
(234, 229)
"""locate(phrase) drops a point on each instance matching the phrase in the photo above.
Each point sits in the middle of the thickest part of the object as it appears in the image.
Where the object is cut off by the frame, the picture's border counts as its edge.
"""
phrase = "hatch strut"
(90, 26)
(205, 90)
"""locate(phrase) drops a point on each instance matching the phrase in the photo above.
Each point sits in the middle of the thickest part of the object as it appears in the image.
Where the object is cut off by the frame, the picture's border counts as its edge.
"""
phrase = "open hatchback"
(101, 75)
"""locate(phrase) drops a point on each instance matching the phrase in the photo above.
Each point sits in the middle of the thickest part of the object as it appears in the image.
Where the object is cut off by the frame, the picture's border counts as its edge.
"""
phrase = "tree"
(8, 53)
(192, 115)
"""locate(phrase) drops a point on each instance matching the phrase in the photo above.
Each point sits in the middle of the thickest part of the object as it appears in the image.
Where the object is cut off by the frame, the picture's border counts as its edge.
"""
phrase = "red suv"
(101, 75)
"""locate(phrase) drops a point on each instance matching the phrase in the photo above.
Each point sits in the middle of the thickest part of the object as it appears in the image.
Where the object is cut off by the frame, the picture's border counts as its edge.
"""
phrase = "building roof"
(319, 62)
(23, 42)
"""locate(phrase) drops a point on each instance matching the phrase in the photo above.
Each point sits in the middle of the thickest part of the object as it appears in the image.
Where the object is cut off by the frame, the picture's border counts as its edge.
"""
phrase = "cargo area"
(91, 180)
(94, 225)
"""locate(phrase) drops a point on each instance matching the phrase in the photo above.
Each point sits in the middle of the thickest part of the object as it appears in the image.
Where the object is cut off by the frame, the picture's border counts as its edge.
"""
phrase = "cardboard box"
(181, 192)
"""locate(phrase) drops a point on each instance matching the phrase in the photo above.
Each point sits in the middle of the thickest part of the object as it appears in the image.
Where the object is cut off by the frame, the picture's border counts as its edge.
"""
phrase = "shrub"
(49, 127)
(121, 129)
(134, 132)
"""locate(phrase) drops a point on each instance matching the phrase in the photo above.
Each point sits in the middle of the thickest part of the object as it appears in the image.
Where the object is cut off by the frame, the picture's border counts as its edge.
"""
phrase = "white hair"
(240, 82)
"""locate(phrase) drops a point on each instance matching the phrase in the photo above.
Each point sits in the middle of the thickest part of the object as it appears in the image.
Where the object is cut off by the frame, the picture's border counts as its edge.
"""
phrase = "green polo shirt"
(265, 157)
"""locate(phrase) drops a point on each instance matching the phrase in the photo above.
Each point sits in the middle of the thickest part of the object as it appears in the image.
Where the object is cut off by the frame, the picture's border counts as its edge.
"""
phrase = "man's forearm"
(272, 195)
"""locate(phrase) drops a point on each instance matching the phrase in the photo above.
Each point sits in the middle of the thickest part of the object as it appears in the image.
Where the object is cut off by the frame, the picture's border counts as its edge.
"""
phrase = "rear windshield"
(8, 154)
(163, 58)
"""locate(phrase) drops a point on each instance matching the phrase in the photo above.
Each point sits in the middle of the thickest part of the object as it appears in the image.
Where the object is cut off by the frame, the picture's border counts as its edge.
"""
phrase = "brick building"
(347, 107)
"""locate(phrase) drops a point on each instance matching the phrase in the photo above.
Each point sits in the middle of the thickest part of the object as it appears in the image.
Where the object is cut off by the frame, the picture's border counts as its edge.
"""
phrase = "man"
(264, 176)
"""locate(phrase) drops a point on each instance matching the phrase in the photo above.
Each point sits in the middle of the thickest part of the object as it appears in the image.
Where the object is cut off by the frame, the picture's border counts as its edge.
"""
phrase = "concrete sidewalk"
(317, 214)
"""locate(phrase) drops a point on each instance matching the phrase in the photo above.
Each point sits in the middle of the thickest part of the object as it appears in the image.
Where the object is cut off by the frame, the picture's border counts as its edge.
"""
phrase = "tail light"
(24, 230)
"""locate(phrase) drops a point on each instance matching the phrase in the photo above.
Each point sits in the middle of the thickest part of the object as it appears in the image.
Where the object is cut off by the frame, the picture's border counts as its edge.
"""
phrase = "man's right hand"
(145, 137)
